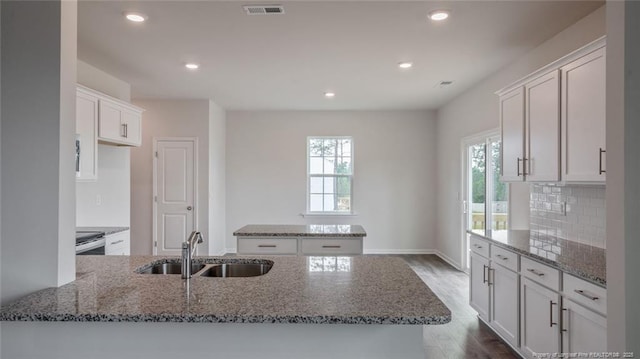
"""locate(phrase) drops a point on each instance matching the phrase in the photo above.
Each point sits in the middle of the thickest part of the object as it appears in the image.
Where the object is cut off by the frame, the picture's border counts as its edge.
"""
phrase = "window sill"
(328, 214)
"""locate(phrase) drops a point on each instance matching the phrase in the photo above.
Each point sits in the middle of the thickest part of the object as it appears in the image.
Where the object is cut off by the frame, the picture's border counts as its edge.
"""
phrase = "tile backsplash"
(576, 213)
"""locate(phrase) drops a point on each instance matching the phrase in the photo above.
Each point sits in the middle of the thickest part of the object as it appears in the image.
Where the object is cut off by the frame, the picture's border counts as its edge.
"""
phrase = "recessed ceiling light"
(329, 94)
(405, 65)
(438, 15)
(135, 16)
(192, 66)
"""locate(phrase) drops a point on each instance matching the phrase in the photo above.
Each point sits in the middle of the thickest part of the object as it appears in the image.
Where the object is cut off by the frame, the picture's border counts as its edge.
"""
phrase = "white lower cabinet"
(583, 331)
(535, 308)
(478, 287)
(504, 303)
(117, 244)
(539, 315)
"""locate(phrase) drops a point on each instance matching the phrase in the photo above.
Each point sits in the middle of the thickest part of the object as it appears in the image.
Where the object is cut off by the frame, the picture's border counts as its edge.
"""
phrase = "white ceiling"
(288, 61)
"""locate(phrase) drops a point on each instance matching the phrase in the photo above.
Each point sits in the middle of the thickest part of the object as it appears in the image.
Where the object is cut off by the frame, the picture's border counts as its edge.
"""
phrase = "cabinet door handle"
(122, 130)
(331, 246)
(600, 170)
(551, 322)
(539, 274)
(524, 167)
(518, 166)
(116, 242)
(484, 273)
(126, 130)
(266, 246)
(502, 257)
(586, 294)
(564, 321)
(489, 275)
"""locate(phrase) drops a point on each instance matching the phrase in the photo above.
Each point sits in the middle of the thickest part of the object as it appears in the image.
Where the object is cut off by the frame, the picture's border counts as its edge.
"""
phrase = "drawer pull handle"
(477, 246)
(331, 246)
(551, 322)
(539, 274)
(586, 294)
(266, 245)
(116, 242)
(502, 257)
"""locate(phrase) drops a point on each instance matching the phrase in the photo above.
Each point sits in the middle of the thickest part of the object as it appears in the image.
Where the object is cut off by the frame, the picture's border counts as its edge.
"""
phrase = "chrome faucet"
(188, 247)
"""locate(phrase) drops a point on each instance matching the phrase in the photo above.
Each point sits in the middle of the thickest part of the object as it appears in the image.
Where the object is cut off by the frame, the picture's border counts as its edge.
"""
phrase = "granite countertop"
(334, 290)
(581, 260)
(309, 230)
(107, 230)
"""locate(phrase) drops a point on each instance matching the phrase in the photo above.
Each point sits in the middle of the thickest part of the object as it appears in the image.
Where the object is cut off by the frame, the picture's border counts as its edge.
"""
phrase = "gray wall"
(167, 118)
(632, 173)
(476, 110)
(394, 188)
(38, 128)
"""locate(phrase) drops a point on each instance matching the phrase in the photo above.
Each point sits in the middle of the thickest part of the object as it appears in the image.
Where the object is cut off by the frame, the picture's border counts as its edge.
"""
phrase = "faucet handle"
(200, 239)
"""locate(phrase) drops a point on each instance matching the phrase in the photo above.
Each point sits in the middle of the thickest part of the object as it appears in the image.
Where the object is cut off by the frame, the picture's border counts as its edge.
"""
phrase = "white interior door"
(175, 198)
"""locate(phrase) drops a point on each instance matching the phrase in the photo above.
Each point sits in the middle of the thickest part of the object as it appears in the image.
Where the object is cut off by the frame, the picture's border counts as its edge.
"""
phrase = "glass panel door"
(486, 205)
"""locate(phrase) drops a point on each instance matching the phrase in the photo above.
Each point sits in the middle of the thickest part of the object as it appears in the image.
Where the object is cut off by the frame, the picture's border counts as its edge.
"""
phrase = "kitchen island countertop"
(311, 290)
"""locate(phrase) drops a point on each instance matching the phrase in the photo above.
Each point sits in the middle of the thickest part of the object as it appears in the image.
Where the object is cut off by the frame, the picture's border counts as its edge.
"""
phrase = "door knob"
(189, 208)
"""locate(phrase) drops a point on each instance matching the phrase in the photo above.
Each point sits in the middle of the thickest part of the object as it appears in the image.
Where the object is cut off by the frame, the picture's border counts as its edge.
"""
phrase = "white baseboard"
(448, 259)
(399, 251)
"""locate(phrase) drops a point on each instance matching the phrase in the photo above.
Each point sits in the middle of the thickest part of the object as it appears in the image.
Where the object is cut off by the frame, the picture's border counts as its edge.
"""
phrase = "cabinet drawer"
(504, 258)
(585, 293)
(331, 246)
(117, 244)
(479, 246)
(540, 273)
(267, 245)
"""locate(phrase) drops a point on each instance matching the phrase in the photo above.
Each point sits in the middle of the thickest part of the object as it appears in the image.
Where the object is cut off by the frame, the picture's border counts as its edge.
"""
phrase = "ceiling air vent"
(264, 9)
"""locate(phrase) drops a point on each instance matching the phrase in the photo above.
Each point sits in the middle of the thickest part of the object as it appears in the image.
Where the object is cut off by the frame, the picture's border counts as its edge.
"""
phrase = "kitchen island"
(309, 307)
(309, 239)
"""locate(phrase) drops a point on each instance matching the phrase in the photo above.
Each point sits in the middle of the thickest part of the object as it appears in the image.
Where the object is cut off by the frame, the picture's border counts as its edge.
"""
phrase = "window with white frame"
(329, 174)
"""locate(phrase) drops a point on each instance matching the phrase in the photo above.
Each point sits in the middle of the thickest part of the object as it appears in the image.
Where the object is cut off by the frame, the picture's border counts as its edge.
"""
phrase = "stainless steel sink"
(236, 270)
(170, 268)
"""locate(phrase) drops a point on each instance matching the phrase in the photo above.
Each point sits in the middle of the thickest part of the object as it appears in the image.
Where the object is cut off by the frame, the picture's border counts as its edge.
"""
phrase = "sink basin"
(237, 270)
(170, 268)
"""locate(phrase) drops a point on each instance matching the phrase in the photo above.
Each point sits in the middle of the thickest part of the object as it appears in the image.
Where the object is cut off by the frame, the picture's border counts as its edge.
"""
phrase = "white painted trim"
(196, 202)
(103, 96)
(399, 251)
(449, 260)
(329, 214)
(230, 250)
(594, 45)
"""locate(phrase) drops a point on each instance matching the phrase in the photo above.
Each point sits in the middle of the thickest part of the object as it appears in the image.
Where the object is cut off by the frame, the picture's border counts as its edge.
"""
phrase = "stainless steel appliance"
(90, 243)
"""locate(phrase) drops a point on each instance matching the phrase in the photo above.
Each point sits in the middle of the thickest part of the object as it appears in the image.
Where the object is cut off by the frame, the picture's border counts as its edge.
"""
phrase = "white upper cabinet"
(553, 121)
(583, 118)
(512, 131)
(119, 123)
(542, 117)
(86, 136)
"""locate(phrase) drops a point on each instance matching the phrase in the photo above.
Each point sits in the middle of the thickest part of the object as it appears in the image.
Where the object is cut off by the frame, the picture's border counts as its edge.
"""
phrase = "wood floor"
(465, 336)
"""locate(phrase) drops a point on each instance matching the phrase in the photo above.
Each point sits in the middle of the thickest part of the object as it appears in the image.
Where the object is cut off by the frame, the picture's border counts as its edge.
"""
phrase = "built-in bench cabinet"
(534, 307)
(300, 245)
(118, 244)
(553, 121)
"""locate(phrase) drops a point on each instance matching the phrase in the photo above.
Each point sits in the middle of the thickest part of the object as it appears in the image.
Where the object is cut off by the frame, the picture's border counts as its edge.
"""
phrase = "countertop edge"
(189, 318)
(601, 282)
(299, 234)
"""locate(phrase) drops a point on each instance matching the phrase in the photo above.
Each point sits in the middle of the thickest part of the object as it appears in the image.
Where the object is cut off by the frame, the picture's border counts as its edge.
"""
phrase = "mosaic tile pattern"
(575, 213)
(369, 290)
